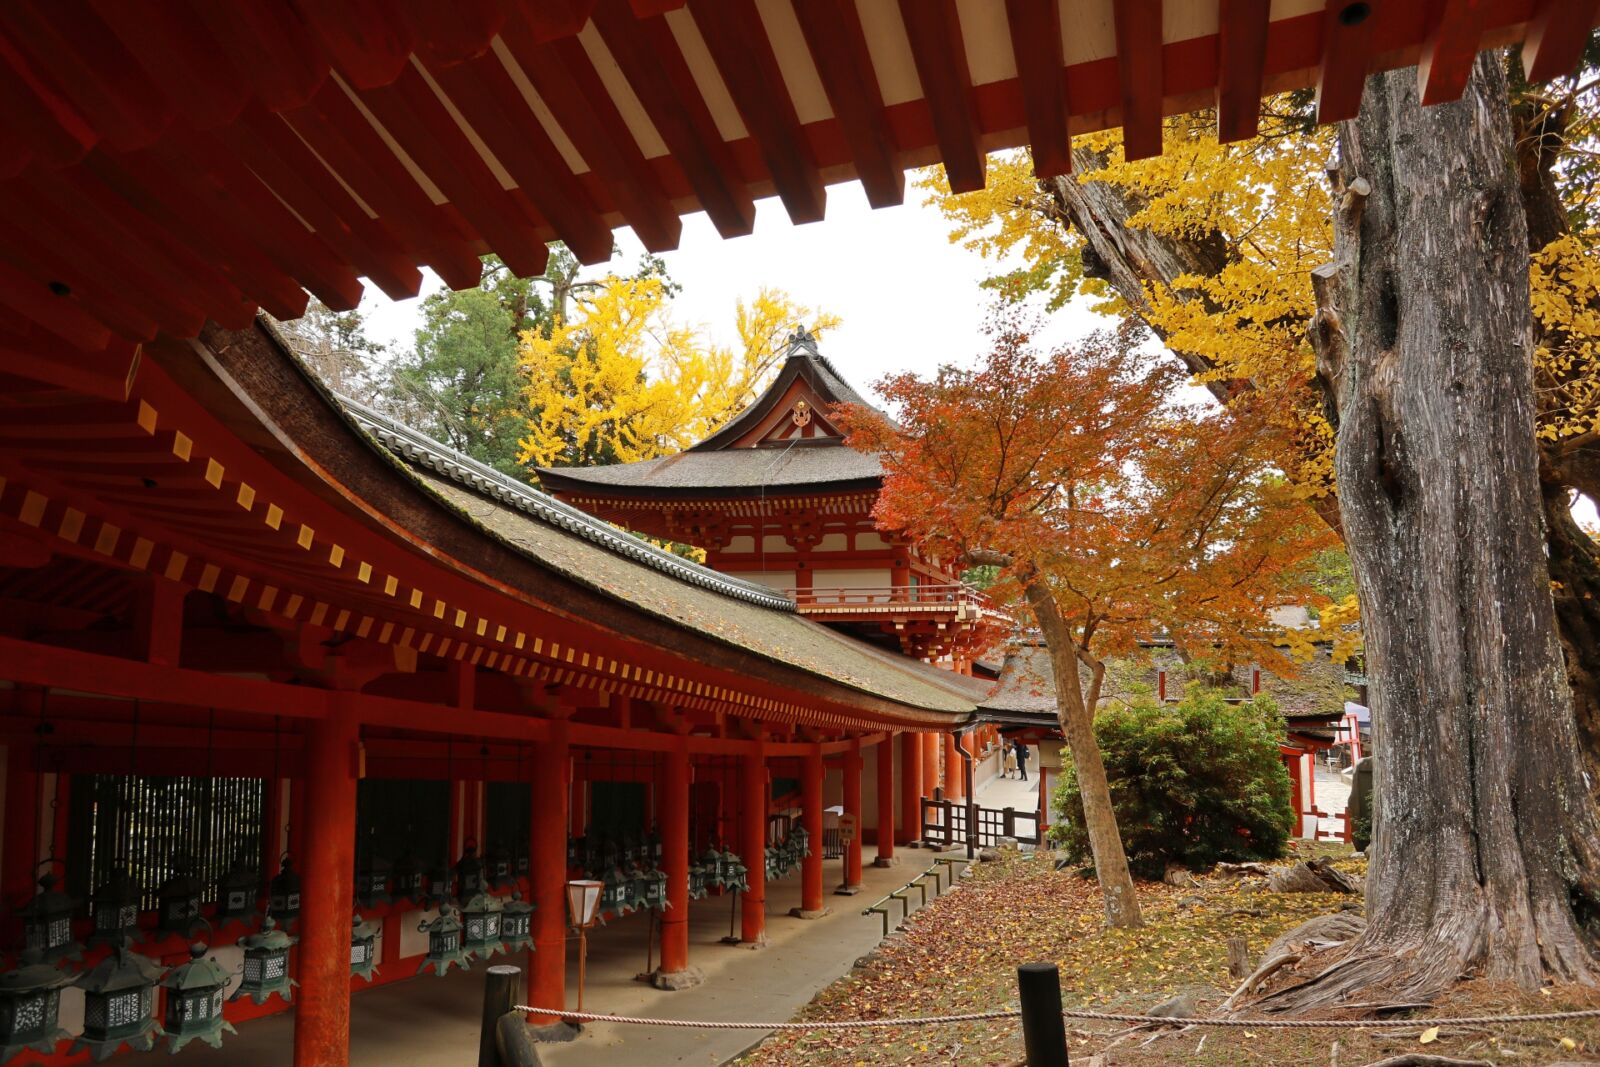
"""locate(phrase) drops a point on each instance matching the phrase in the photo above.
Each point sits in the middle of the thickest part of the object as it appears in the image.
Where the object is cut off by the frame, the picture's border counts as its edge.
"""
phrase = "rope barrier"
(1161, 1020)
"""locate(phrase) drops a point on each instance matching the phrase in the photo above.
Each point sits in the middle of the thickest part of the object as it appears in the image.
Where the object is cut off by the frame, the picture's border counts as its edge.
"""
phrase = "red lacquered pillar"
(852, 806)
(753, 846)
(910, 787)
(322, 1006)
(885, 768)
(954, 784)
(674, 822)
(811, 819)
(547, 871)
(930, 763)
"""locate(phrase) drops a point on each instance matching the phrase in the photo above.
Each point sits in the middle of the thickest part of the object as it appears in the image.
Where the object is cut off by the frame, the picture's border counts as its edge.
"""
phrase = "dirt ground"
(960, 955)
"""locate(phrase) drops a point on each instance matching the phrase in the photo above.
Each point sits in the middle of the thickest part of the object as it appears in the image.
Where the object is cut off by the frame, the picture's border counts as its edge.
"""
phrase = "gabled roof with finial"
(785, 439)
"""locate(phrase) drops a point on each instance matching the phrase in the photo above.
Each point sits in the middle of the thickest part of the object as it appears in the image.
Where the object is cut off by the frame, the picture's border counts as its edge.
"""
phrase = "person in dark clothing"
(1022, 760)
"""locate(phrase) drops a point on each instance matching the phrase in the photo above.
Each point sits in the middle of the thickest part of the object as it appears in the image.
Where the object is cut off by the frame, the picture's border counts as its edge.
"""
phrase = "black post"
(499, 996)
(1044, 1032)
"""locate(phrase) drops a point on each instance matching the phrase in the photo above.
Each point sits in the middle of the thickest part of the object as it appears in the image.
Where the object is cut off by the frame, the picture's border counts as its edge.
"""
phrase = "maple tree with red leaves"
(1115, 512)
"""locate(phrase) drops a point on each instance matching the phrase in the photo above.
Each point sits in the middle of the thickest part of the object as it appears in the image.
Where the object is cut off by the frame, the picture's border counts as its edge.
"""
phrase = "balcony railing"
(954, 598)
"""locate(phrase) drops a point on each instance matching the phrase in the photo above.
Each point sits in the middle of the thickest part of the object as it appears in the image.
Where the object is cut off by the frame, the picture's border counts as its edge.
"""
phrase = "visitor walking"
(1010, 761)
(1022, 760)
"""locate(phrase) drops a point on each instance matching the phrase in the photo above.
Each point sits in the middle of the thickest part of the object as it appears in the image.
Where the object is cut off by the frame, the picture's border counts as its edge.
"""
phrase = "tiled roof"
(734, 468)
(711, 604)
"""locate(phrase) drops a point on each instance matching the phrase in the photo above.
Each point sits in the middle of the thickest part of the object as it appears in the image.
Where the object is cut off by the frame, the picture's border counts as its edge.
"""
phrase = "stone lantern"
(194, 1001)
(178, 900)
(372, 881)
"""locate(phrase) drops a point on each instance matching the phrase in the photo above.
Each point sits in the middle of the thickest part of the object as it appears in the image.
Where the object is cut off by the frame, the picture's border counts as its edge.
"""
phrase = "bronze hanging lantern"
(30, 1007)
(266, 964)
(178, 900)
(116, 909)
(372, 881)
(736, 876)
(516, 924)
(444, 943)
(480, 925)
(238, 889)
(194, 1001)
(47, 923)
(697, 881)
(407, 880)
(655, 889)
(283, 896)
(441, 881)
(712, 868)
(469, 871)
(363, 948)
(119, 1005)
(497, 867)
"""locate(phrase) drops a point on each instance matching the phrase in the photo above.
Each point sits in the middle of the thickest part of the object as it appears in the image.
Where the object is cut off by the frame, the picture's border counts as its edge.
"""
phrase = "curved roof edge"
(416, 447)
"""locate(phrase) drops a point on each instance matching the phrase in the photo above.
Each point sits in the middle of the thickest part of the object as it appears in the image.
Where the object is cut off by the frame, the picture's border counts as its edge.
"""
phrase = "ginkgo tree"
(620, 379)
(1114, 512)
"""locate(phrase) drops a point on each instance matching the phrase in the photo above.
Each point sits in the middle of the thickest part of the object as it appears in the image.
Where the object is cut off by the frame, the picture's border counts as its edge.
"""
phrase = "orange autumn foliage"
(1144, 516)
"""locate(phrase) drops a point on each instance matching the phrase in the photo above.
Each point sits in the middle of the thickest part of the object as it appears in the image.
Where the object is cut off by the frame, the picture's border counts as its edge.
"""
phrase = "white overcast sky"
(908, 298)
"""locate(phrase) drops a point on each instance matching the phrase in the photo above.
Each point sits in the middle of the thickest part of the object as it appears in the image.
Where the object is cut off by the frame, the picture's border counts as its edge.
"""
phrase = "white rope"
(1149, 1020)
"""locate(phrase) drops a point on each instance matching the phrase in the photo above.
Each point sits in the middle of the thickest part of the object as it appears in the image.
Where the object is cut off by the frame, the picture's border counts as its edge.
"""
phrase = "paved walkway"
(1002, 792)
(434, 1022)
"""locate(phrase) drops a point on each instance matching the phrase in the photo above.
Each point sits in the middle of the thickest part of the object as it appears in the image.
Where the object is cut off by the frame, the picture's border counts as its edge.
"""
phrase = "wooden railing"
(951, 596)
(944, 822)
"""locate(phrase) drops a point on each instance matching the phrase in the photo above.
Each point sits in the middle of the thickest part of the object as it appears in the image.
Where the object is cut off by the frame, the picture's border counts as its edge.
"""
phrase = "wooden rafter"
(934, 28)
(1036, 43)
(838, 46)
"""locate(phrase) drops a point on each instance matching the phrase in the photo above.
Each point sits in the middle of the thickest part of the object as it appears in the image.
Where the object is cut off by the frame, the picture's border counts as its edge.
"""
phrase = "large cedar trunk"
(1486, 854)
(1076, 716)
(1131, 258)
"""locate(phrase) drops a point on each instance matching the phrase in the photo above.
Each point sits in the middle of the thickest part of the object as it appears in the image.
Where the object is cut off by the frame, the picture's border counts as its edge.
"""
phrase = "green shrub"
(1193, 783)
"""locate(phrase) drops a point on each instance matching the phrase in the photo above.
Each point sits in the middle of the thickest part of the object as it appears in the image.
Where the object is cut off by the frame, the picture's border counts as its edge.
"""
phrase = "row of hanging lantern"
(781, 858)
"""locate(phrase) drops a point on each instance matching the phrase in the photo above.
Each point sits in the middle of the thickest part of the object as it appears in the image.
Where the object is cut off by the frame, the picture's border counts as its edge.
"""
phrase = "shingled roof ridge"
(413, 446)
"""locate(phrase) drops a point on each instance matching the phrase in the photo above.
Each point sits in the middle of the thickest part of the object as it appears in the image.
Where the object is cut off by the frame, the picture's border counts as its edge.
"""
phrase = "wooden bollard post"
(499, 996)
(1044, 1031)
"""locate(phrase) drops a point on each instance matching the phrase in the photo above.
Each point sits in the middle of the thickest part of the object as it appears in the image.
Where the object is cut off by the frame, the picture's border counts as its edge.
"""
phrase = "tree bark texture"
(1540, 134)
(1486, 853)
(1130, 258)
(1076, 716)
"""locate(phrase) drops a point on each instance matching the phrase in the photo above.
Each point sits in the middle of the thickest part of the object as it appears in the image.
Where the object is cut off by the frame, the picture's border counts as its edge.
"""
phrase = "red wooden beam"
(649, 57)
(1450, 49)
(1241, 58)
(1346, 32)
(1138, 26)
(738, 43)
(107, 374)
(267, 146)
(484, 92)
(561, 73)
(1041, 68)
(57, 313)
(336, 130)
(934, 29)
(838, 45)
(1557, 34)
(412, 113)
(367, 39)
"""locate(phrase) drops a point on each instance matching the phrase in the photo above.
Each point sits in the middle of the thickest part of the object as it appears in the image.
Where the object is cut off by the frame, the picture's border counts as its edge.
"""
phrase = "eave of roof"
(734, 472)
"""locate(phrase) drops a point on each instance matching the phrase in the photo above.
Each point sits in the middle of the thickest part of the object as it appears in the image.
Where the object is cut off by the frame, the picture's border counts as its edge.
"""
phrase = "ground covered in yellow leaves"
(959, 955)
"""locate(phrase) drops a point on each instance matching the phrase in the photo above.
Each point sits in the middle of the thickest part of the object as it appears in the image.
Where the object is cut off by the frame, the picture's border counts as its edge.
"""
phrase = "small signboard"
(847, 827)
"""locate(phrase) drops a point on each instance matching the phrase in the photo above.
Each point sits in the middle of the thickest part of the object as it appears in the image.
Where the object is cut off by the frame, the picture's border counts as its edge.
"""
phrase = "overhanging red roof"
(165, 162)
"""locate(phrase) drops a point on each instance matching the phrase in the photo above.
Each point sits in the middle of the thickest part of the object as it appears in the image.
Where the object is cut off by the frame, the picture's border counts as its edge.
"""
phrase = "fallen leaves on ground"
(960, 953)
